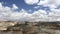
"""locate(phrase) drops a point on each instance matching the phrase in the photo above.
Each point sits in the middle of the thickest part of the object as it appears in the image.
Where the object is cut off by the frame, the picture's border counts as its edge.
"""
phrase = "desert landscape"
(12, 27)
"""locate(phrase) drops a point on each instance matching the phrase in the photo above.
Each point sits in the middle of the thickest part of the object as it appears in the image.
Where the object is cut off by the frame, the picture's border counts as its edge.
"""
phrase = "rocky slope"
(11, 27)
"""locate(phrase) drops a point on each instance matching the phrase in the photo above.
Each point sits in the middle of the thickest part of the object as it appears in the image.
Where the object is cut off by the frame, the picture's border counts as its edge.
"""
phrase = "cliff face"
(10, 27)
(5, 24)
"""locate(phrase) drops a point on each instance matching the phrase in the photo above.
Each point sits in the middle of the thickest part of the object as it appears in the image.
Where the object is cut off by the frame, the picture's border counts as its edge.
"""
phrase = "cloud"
(41, 15)
(8, 13)
(43, 2)
(49, 3)
(15, 7)
(31, 2)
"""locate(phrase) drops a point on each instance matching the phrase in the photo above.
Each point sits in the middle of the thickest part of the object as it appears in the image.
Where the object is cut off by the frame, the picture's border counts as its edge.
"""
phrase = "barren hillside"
(11, 27)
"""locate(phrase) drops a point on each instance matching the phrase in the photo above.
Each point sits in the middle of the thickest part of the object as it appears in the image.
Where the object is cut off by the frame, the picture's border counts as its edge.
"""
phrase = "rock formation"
(11, 27)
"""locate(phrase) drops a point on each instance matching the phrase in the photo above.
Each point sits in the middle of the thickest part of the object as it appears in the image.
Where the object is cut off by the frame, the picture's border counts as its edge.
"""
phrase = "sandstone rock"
(5, 24)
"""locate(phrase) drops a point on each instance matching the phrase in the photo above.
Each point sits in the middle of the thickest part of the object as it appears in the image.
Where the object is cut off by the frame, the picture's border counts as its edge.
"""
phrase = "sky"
(29, 10)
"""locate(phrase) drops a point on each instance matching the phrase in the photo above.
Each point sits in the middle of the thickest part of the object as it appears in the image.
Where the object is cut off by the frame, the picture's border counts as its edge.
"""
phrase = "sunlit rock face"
(5, 24)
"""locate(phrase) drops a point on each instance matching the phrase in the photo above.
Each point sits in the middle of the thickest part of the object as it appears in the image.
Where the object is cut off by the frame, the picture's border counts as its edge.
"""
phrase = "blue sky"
(22, 5)
(30, 10)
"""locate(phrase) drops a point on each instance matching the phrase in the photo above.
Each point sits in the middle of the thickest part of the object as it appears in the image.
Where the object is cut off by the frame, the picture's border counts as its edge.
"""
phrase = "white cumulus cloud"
(15, 7)
(31, 2)
(7, 13)
(49, 3)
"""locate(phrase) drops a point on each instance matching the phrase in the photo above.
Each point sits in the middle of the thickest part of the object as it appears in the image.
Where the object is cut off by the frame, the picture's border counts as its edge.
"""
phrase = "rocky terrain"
(24, 27)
